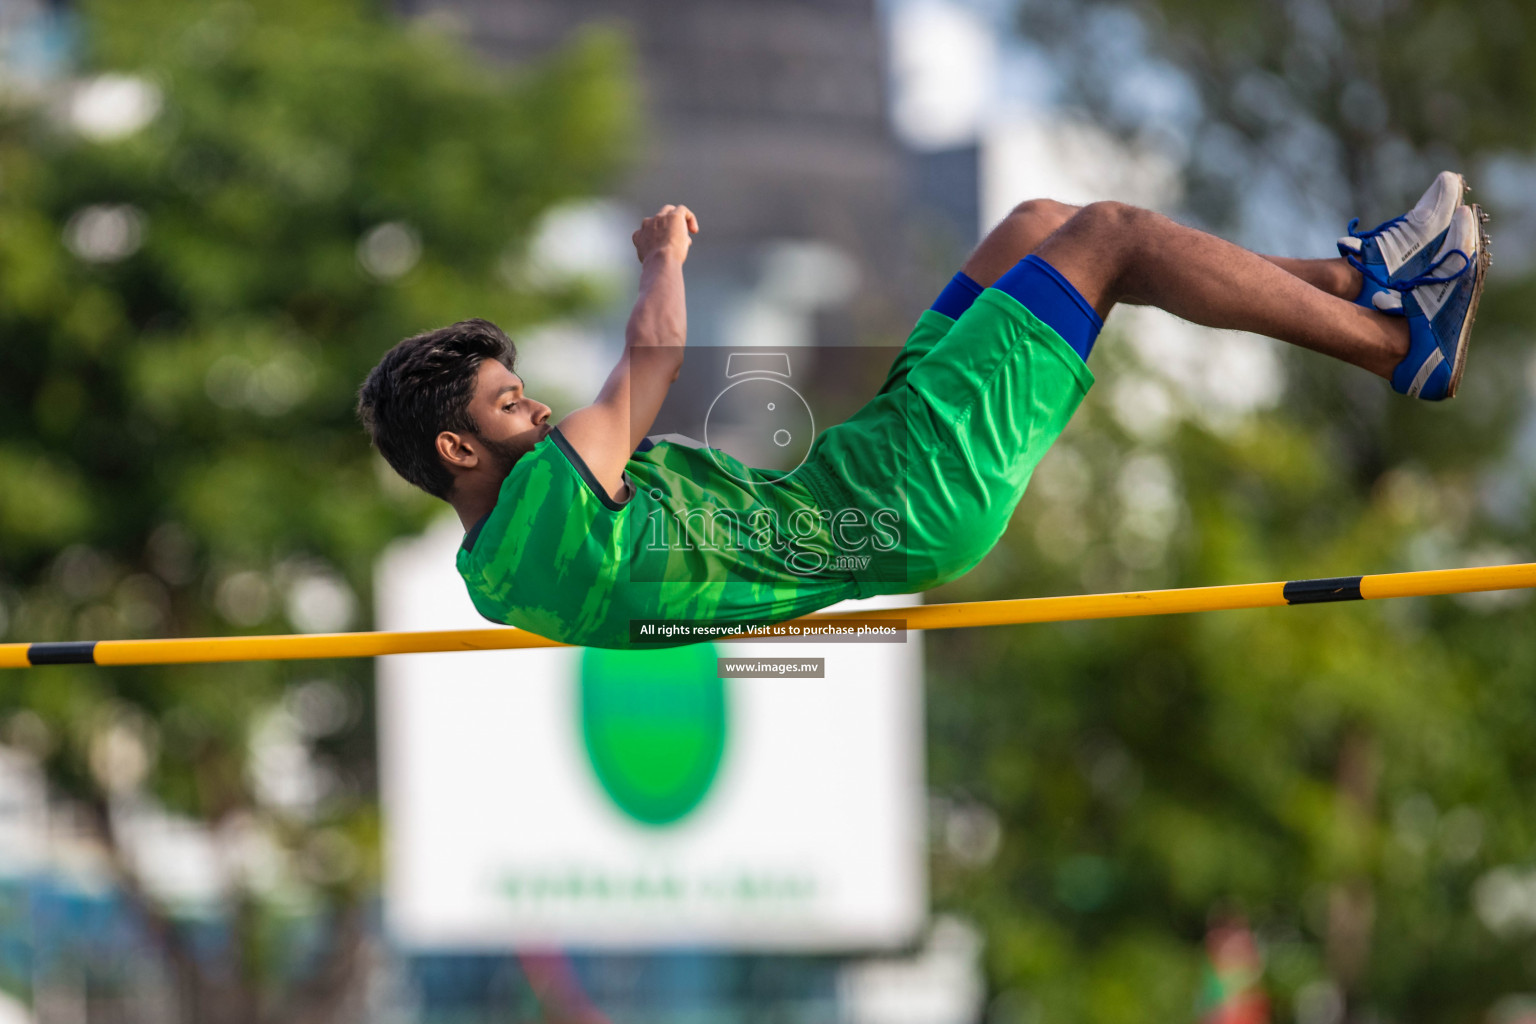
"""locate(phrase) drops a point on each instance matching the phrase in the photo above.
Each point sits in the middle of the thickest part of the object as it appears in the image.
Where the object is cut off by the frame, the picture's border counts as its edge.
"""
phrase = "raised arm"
(607, 432)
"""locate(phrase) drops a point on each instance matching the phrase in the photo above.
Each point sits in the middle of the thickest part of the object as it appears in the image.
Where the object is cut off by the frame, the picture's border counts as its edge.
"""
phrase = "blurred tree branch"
(1348, 779)
(207, 235)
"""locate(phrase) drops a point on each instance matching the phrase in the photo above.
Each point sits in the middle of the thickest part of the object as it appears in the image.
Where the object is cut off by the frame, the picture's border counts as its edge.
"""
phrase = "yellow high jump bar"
(931, 616)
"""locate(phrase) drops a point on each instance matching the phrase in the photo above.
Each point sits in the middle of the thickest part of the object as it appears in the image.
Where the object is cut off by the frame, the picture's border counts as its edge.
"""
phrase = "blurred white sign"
(569, 797)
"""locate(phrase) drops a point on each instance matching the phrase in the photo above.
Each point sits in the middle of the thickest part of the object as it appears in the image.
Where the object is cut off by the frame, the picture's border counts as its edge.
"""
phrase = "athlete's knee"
(1109, 217)
(1045, 214)
(1112, 231)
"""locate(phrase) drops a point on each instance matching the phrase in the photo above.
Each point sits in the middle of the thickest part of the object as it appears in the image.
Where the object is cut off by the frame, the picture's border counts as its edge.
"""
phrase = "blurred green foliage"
(187, 308)
(1352, 780)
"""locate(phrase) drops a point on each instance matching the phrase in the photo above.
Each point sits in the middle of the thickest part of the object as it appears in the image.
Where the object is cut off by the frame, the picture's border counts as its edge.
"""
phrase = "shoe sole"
(1464, 340)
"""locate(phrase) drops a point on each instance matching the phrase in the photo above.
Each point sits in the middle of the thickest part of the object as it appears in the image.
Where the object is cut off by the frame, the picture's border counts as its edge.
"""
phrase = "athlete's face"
(510, 423)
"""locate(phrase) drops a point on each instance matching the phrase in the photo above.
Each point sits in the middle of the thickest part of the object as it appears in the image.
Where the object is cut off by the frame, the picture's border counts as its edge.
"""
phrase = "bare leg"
(1334, 276)
(1115, 253)
(1030, 223)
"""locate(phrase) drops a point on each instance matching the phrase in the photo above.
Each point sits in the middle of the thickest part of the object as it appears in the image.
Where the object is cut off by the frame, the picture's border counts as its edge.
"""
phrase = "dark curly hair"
(421, 388)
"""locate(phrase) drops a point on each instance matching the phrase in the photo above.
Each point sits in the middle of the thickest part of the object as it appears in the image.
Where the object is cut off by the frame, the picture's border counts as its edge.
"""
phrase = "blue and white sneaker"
(1396, 253)
(1440, 309)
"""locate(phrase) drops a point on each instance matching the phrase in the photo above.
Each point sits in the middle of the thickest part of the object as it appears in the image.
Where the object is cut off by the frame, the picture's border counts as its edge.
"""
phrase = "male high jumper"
(562, 518)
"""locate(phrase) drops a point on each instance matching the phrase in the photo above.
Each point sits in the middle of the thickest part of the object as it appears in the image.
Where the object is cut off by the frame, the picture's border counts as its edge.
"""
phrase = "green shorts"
(949, 443)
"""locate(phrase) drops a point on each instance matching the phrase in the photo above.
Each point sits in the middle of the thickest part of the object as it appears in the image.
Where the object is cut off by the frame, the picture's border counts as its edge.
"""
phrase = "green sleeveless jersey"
(702, 537)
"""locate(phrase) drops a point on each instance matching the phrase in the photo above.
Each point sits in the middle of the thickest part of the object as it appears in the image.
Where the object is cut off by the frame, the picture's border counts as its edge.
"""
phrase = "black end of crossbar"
(1338, 588)
(82, 653)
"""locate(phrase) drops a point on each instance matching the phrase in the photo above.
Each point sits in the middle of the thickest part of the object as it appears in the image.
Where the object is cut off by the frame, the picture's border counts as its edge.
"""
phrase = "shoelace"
(1381, 228)
(1428, 277)
(1408, 285)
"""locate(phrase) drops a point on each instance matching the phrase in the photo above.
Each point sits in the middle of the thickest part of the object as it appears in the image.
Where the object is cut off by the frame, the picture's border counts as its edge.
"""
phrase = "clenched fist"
(668, 231)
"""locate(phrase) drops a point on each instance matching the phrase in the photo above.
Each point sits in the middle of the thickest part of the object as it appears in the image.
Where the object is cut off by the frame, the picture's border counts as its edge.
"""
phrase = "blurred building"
(767, 116)
(770, 120)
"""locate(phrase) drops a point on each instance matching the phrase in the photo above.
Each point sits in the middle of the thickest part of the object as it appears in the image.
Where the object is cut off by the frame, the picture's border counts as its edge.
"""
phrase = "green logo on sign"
(654, 726)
